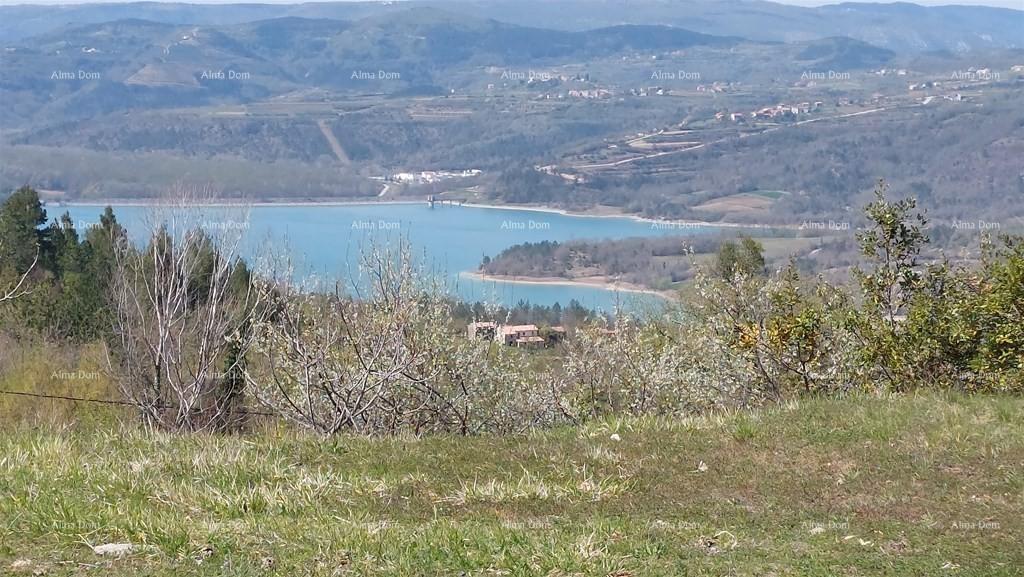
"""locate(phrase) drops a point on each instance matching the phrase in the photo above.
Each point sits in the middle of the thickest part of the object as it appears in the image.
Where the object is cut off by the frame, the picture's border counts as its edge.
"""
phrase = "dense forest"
(652, 262)
(667, 263)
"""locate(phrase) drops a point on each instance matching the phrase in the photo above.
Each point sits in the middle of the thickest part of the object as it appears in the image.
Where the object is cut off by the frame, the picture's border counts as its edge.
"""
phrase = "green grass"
(927, 485)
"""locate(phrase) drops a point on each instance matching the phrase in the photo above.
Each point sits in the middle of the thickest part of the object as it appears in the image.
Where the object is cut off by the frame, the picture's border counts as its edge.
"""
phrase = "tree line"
(655, 262)
(195, 339)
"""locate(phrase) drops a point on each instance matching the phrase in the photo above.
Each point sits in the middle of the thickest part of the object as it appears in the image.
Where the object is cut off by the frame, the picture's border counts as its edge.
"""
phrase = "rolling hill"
(81, 71)
(901, 27)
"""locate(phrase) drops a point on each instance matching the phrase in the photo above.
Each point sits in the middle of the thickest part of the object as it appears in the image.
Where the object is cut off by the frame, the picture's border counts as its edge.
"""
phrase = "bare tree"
(331, 362)
(180, 304)
(381, 360)
(18, 289)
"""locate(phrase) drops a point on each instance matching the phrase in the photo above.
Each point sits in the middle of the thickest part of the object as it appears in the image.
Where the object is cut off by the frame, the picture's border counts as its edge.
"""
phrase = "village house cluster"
(778, 111)
(533, 79)
(515, 335)
(714, 87)
(891, 72)
(718, 87)
(430, 176)
(601, 93)
(965, 78)
(648, 91)
(590, 93)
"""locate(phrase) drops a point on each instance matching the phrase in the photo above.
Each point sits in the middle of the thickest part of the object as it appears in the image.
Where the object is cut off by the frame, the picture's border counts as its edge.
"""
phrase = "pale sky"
(1016, 4)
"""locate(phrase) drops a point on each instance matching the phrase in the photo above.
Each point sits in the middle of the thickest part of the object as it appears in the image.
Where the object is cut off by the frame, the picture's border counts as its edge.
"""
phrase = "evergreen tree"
(745, 258)
(20, 218)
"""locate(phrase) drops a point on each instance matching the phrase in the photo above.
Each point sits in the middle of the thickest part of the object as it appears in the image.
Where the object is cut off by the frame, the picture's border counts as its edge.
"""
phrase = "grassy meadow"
(916, 485)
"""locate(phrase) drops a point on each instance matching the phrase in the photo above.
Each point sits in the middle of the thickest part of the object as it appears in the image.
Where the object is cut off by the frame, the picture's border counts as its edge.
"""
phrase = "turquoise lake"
(449, 240)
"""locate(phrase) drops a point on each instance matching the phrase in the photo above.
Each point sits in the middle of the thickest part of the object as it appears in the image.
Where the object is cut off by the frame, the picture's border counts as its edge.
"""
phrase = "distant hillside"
(901, 27)
(844, 53)
(85, 70)
(301, 107)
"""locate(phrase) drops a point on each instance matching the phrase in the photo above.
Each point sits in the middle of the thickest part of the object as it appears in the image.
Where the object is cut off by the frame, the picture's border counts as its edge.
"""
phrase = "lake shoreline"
(590, 282)
(595, 212)
(655, 222)
(487, 235)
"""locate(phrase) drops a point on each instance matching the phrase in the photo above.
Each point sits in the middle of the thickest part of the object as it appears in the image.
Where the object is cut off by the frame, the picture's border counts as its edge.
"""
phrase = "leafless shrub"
(179, 304)
(636, 368)
(765, 339)
(383, 361)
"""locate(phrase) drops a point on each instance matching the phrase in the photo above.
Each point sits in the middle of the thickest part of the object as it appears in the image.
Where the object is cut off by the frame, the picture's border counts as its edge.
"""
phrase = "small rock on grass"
(116, 549)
